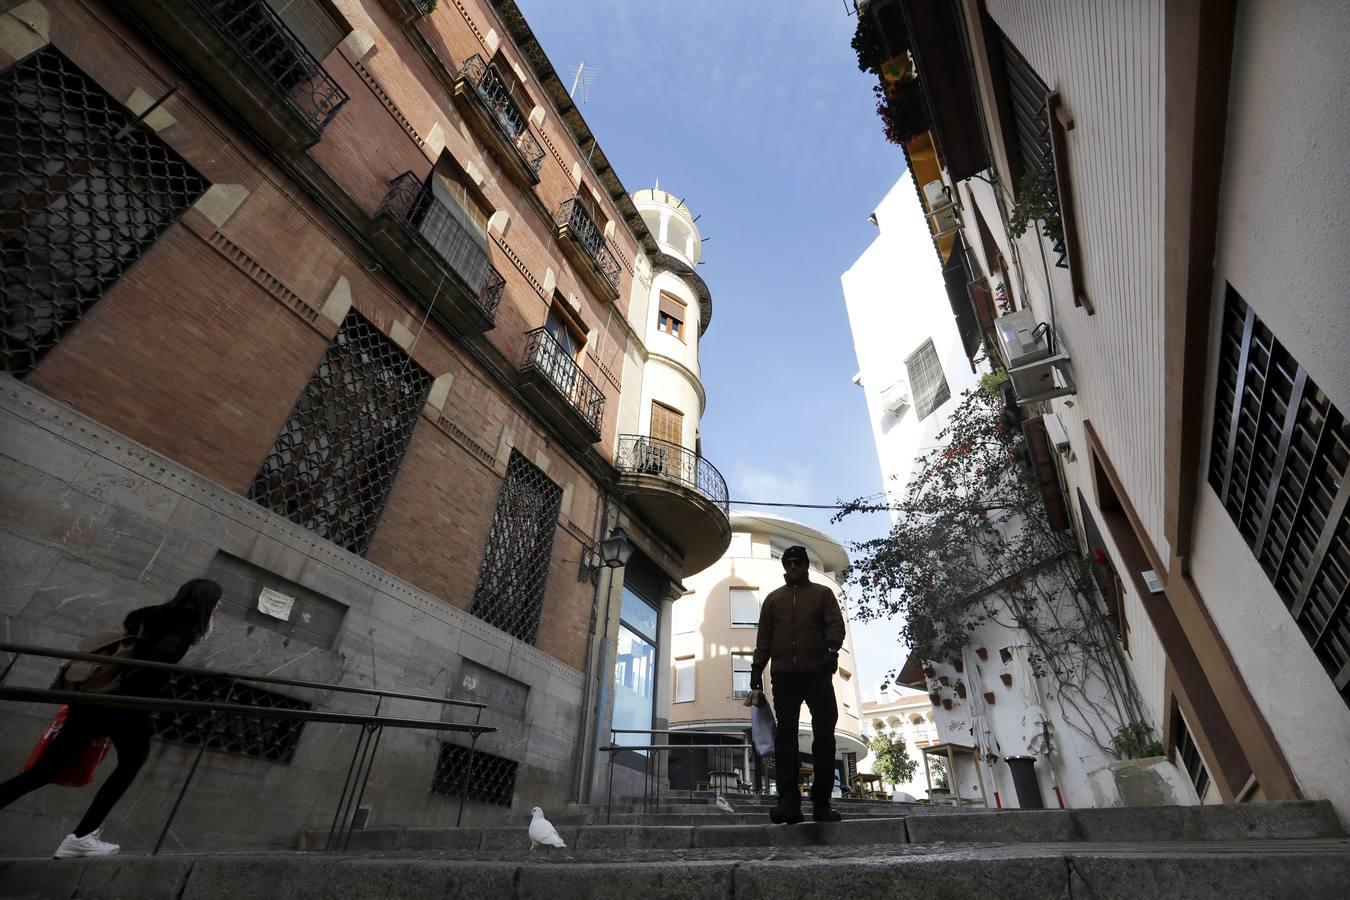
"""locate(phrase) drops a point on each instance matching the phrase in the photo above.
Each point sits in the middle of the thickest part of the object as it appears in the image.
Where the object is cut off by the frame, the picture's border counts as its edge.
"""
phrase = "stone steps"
(1293, 820)
(1299, 870)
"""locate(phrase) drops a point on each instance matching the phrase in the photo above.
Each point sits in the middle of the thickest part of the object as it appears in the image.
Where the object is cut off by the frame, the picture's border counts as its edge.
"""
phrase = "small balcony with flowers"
(265, 65)
(440, 251)
(680, 493)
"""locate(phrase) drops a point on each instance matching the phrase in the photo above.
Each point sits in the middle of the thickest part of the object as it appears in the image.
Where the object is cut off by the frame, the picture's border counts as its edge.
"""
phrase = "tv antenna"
(582, 78)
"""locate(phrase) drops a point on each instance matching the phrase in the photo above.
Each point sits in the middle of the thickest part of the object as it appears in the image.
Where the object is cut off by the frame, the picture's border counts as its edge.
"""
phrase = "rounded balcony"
(680, 493)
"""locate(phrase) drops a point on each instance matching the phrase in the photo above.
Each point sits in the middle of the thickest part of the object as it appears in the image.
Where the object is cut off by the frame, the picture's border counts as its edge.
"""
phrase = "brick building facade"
(337, 298)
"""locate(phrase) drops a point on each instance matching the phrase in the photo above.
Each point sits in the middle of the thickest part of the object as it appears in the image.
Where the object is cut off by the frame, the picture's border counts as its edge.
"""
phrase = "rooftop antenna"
(582, 78)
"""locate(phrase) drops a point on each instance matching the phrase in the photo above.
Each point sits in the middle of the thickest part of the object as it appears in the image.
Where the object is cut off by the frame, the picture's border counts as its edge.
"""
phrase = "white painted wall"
(896, 300)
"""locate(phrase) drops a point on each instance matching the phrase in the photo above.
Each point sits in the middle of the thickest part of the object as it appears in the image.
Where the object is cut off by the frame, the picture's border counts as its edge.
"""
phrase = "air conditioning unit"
(896, 399)
(1044, 378)
(1019, 339)
(941, 208)
(1054, 430)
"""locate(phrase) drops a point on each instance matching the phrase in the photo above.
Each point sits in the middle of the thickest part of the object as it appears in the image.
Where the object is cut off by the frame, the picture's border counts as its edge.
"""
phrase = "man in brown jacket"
(800, 631)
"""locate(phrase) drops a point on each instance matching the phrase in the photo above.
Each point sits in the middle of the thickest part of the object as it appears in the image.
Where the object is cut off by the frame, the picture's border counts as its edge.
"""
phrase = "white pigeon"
(542, 831)
(723, 805)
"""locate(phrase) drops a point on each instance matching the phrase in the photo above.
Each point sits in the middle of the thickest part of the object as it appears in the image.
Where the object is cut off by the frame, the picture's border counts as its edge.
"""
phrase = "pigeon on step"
(542, 831)
(723, 805)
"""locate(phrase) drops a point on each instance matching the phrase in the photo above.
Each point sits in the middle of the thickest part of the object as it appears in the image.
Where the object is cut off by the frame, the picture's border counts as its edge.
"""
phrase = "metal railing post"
(196, 761)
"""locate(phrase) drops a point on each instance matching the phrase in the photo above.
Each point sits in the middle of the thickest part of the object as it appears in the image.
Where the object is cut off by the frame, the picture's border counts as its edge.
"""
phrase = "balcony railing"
(574, 215)
(497, 95)
(544, 354)
(279, 57)
(644, 455)
(447, 231)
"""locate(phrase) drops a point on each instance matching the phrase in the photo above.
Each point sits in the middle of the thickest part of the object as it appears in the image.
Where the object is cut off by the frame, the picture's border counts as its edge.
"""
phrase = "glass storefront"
(635, 668)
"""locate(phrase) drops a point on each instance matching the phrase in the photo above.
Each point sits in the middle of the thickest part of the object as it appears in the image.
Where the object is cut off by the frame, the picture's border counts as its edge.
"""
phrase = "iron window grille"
(333, 465)
(928, 384)
(496, 93)
(652, 456)
(1031, 126)
(510, 591)
(450, 234)
(1280, 463)
(544, 353)
(279, 57)
(274, 740)
(85, 191)
(492, 779)
(574, 215)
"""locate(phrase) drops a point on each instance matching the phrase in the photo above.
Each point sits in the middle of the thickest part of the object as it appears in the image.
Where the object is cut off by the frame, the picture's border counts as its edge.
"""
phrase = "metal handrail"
(545, 354)
(33, 650)
(574, 215)
(408, 200)
(279, 57)
(647, 778)
(363, 755)
(495, 92)
(645, 455)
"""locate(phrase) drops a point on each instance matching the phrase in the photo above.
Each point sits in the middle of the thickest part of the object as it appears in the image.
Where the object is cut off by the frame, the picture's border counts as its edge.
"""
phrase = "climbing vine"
(971, 544)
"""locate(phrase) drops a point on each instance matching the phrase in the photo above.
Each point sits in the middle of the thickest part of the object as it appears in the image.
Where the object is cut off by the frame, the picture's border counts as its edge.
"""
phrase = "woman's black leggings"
(130, 734)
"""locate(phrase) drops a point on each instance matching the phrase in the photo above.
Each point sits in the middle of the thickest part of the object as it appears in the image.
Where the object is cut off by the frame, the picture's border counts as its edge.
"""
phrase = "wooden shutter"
(667, 423)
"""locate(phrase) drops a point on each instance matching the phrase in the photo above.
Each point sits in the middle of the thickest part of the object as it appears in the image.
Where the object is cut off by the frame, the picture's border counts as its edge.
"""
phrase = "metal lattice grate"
(492, 779)
(84, 191)
(274, 740)
(928, 384)
(1280, 463)
(510, 592)
(333, 465)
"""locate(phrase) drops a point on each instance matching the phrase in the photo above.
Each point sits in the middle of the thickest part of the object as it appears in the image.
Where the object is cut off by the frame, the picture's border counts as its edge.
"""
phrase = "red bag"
(81, 771)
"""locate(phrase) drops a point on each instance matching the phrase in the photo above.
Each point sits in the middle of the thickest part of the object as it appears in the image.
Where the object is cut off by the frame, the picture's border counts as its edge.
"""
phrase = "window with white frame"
(740, 675)
(744, 608)
(685, 618)
(684, 679)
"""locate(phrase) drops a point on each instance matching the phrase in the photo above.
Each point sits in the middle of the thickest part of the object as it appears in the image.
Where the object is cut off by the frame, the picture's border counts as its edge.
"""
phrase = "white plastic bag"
(762, 726)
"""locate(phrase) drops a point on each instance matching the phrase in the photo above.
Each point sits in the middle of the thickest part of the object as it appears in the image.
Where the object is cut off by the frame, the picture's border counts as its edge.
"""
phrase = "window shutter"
(744, 607)
(667, 423)
(684, 680)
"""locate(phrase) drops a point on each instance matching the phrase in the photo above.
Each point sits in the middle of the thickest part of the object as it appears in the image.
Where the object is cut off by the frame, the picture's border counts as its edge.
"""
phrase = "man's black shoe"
(786, 812)
(822, 812)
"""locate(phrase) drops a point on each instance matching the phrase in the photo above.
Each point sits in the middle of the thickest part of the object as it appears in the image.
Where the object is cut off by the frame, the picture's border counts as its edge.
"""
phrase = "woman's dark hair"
(201, 596)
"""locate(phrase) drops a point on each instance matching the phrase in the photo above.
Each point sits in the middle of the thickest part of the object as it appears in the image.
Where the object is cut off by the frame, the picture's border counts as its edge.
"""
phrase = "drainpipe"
(581, 789)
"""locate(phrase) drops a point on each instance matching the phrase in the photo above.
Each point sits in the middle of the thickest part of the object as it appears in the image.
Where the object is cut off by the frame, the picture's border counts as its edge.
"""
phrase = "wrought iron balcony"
(407, 10)
(244, 50)
(680, 493)
(440, 252)
(585, 243)
(560, 390)
(484, 97)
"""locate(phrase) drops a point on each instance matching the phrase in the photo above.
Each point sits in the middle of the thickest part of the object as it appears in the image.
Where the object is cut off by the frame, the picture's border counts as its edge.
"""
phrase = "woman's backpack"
(95, 677)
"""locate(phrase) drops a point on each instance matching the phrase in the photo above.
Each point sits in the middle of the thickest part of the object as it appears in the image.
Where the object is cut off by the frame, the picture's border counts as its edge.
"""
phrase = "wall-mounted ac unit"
(941, 208)
(1019, 339)
(896, 398)
(1042, 379)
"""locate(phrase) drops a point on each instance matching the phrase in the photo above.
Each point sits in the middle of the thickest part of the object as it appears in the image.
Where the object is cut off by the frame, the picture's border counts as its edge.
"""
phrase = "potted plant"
(982, 653)
(959, 666)
(989, 697)
(960, 688)
(935, 698)
(947, 703)
(944, 680)
(929, 670)
(1006, 678)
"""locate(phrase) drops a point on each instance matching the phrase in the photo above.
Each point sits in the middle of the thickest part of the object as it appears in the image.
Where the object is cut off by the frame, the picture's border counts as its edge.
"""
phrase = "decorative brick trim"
(468, 20)
(369, 78)
(575, 531)
(520, 264)
(548, 142)
(461, 437)
(264, 279)
(605, 371)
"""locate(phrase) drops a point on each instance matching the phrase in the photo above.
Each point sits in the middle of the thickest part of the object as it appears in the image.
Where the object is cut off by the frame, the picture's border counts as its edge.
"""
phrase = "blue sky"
(755, 112)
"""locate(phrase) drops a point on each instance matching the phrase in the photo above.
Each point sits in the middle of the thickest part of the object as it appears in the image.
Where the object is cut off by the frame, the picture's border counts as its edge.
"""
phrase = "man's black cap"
(796, 551)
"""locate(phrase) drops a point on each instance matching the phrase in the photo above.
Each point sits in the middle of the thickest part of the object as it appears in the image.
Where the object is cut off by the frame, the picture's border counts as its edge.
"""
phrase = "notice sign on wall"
(275, 604)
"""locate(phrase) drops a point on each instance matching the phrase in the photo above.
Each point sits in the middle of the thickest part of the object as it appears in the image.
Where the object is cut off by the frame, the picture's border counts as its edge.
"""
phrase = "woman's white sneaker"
(89, 845)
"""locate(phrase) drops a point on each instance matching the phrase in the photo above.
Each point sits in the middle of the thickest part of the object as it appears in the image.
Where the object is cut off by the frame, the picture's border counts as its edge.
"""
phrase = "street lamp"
(616, 549)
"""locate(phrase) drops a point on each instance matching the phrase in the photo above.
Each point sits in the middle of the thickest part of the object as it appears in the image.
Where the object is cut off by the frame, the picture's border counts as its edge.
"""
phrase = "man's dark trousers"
(790, 690)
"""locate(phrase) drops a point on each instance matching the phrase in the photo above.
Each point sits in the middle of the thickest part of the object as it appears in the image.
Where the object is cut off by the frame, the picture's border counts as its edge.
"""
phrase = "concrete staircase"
(692, 850)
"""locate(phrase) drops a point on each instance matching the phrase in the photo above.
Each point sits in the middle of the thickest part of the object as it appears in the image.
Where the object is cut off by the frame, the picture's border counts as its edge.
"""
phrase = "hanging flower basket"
(929, 671)
(958, 665)
(1007, 679)
(935, 698)
(961, 691)
(982, 652)
(944, 680)
(946, 702)
(989, 697)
